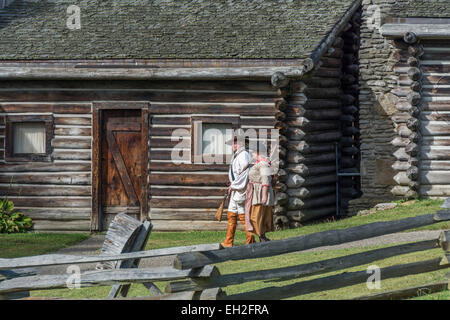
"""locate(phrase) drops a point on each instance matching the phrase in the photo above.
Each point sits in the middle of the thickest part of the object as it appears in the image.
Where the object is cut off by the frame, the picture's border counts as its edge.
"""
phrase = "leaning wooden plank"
(120, 237)
(138, 245)
(60, 259)
(97, 278)
(339, 281)
(302, 270)
(408, 292)
(309, 241)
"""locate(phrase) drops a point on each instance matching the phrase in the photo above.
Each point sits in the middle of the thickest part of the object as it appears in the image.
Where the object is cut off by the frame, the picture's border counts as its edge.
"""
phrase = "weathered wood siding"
(57, 194)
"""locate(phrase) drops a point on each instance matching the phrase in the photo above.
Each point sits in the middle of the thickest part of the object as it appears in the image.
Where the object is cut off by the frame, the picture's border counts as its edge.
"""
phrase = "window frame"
(234, 121)
(10, 156)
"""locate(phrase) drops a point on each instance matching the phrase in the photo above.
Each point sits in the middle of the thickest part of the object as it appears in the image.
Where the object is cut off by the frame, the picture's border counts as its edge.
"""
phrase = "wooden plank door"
(123, 166)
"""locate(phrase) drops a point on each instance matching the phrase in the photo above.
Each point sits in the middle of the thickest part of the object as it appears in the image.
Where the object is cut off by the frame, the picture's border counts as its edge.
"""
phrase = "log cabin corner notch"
(304, 84)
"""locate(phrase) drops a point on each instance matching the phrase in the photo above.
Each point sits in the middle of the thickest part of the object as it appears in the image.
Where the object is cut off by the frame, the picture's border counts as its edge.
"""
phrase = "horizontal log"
(57, 201)
(52, 225)
(96, 278)
(400, 142)
(401, 155)
(189, 179)
(303, 270)
(177, 156)
(319, 93)
(173, 202)
(434, 190)
(60, 259)
(211, 108)
(266, 249)
(404, 191)
(435, 153)
(402, 179)
(319, 137)
(184, 191)
(435, 177)
(300, 146)
(322, 148)
(59, 214)
(435, 116)
(80, 108)
(423, 31)
(299, 169)
(46, 178)
(407, 293)
(320, 201)
(412, 149)
(295, 134)
(295, 203)
(321, 190)
(185, 214)
(301, 193)
(44, 190)
(295, 111)
(319, 158)
(44, 167)
(73, 121)
(69, 95)
(403, 131)
(319, 180)
(435, 128)
(71, 143)
(73, 131)
(295, 181)
(186, 167)
(317, 82)
(314, 104)
(338, 281)
(63, 154)
(317, 170)
(304, 215)
(294, 157)
(325, 125)
(435, 165)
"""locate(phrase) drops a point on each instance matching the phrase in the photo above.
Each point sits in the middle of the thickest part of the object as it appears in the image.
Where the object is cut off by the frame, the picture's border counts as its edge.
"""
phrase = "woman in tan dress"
(260, 198)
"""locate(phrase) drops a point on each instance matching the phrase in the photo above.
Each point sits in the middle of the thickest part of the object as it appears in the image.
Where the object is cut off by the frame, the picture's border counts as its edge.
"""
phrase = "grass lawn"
(171, 239)
(30, 244)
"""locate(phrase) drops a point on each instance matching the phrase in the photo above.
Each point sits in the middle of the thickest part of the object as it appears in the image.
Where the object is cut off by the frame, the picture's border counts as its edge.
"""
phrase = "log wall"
(57, 194)
(322, 114)
(434, 173)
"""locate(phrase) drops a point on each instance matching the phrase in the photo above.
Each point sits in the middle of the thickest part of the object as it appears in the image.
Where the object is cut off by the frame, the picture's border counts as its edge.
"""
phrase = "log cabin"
(97, 98)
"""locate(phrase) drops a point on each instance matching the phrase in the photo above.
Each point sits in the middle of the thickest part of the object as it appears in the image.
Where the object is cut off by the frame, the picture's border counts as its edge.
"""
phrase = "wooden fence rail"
(60, 259)
(193, 275)
(303, 270)
(326, 238)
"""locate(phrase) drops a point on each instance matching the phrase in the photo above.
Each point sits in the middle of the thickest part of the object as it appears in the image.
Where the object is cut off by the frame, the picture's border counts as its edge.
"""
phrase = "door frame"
(97, 121)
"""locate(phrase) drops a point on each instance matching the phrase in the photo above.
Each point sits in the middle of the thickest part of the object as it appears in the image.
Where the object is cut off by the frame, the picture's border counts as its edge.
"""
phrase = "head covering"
(239, 137)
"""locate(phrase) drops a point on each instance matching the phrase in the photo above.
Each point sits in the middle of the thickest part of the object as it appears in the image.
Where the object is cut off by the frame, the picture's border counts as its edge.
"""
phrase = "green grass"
(28, 244)
(171, 239)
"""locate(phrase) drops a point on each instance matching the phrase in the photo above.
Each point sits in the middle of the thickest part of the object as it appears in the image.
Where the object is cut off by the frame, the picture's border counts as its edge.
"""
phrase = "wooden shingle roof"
(183, 29)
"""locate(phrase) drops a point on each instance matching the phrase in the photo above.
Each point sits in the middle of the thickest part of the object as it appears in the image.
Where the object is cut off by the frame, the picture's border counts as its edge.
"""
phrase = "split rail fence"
(194, 276)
